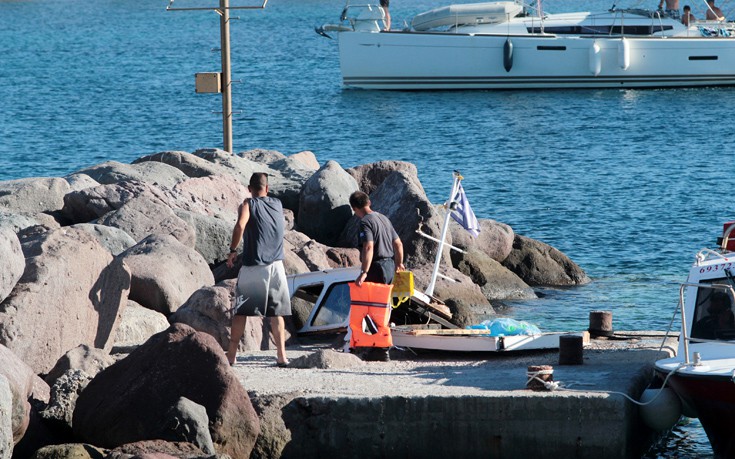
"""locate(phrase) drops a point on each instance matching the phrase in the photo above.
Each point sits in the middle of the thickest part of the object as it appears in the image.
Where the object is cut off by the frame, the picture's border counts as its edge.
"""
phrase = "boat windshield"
(714, 318)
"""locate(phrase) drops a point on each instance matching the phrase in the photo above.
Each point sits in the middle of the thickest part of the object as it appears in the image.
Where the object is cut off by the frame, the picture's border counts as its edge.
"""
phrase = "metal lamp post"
(220, 83)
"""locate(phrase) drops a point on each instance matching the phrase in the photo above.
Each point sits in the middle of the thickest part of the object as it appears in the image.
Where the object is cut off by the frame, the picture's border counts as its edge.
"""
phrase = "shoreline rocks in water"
(131, 256)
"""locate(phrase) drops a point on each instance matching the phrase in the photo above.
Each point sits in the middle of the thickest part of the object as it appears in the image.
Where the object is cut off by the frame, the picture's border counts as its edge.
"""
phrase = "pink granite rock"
(130, 399)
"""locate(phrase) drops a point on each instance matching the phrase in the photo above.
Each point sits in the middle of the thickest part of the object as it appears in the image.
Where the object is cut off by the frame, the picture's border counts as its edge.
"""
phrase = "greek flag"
(463, 213)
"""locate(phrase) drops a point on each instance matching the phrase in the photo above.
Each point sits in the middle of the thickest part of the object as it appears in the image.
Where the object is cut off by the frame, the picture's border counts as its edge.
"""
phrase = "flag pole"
(449, 206)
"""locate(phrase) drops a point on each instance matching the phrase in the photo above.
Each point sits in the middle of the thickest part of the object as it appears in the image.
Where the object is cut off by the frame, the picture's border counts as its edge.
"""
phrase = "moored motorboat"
(501, 45)
(703, 372)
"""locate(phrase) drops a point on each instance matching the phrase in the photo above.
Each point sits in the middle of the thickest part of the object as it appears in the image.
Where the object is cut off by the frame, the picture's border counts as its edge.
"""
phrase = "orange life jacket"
(370, 303)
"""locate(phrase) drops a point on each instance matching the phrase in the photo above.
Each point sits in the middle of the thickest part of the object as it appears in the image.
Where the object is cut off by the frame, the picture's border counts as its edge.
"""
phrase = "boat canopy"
(470, 13)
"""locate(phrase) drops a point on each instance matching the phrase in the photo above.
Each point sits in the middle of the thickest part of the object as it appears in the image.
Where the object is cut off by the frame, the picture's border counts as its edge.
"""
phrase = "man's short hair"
(359, 200)
(258, 181)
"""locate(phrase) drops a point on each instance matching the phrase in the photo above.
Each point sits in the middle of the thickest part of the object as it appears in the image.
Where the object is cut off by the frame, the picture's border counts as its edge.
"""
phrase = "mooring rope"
(552, 385)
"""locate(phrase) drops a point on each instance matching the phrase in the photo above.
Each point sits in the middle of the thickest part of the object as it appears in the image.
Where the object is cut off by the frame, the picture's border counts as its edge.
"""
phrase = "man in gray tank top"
(262, 289)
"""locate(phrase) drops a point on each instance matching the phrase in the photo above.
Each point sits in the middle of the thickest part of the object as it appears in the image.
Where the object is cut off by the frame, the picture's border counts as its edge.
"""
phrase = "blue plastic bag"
(506, 327)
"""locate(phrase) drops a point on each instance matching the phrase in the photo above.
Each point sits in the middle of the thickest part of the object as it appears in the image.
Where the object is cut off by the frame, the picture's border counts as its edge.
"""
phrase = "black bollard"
(570, 350)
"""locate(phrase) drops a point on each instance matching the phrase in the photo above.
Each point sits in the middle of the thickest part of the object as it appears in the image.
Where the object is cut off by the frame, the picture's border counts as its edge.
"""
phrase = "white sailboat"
(510, 44)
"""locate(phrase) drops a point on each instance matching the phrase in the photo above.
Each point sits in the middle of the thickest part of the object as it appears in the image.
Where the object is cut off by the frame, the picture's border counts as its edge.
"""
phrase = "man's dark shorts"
(381, 271)
(385, 3)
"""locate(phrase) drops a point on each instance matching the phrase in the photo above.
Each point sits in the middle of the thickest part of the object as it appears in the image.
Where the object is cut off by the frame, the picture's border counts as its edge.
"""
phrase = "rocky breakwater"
(115, 300)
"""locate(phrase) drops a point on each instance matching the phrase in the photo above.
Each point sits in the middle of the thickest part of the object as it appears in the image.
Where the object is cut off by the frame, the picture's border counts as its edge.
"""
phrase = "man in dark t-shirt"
(381, 250)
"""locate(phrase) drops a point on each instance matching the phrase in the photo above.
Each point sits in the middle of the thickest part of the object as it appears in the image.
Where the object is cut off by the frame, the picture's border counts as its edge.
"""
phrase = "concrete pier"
(456, 405)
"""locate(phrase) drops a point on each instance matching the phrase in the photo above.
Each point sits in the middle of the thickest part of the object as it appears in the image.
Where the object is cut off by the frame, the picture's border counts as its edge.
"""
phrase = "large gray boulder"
(402, 199)
(314, 255)
(209, 310)
(141, 217)
(91, 203)
(340, 257)
(137, 324)
(370, 176)
(240, 168)
(189, 164)
(20, 379)
(90, 360)
(213, 235)
(152, 172)
(285, 176)
(495, 281)
(6, 419)
(306, 158)
(217, 196)
(187, 421)
(12, 262)
(79, 182)
(113, 239)
(460, 288)
(495, 239)
(262, 156)
(130, 400)
(288, 177)
(165, 273)
(18, 221)
(324, 203)
(71, 284)
(538, 263)
(33, 195)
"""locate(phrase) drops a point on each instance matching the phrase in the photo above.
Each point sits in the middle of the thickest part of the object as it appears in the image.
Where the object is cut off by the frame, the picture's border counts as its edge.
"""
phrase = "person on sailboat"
(672, 8)
(385, 4)
(688, 18)
(713, 13)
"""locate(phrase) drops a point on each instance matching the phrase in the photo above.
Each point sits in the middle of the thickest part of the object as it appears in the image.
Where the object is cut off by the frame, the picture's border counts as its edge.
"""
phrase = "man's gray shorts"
(262, 290)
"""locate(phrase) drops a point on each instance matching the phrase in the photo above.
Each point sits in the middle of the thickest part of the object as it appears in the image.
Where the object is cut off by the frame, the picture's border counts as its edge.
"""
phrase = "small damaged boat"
(417, 320)
(703, 372)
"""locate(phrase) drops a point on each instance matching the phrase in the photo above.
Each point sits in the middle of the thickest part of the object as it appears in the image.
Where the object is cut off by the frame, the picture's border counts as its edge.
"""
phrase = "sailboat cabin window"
(601, 30)
(714, 316)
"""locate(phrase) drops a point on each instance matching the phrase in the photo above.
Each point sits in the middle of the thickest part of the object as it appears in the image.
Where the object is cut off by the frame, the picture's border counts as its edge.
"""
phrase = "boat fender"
(595, 59)
(508, 55)
(663, 411)
(624, 54)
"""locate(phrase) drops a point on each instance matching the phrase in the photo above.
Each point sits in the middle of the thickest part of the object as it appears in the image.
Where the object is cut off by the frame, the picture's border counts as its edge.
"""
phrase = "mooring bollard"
(601, 323)
(538, 375)
(571, 350)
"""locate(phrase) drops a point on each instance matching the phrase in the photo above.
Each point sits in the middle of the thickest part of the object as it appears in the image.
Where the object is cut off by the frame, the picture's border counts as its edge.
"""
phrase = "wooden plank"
(431, 316)
(433, 305)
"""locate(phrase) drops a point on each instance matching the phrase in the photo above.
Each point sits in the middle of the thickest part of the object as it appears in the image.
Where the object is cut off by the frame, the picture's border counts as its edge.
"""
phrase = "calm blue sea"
(628, 183)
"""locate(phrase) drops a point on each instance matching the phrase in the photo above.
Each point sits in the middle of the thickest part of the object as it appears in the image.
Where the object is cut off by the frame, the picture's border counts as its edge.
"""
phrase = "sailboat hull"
(414, 60)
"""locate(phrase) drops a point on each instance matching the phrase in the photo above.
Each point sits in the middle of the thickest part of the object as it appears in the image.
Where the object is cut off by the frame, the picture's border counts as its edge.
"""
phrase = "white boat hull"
(476, 343)
(414, 60)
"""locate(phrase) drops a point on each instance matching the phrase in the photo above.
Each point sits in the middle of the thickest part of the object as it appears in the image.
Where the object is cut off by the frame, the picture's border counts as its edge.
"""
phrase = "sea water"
(628, 183)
